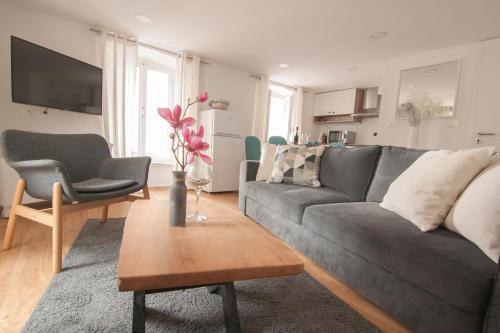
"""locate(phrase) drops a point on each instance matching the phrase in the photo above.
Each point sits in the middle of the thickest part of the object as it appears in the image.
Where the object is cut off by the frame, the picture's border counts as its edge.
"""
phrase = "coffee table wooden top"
(227, 247)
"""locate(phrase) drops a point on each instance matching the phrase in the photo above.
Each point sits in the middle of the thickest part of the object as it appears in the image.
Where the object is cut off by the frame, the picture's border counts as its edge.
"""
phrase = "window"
(156, 86)
(279, 112)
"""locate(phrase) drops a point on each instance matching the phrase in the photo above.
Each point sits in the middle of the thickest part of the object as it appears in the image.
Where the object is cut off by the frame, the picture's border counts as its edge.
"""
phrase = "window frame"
(277, 91)
(143, 66)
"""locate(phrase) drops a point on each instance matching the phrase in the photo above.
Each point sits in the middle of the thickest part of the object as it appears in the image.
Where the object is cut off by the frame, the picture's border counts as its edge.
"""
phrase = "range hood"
(371, 104)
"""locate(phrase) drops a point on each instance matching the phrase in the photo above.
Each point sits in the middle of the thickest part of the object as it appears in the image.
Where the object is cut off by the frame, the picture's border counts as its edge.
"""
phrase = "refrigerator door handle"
(228, 135)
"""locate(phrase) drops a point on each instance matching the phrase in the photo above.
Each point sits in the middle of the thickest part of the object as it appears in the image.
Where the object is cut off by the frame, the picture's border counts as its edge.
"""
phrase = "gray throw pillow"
(297, 165)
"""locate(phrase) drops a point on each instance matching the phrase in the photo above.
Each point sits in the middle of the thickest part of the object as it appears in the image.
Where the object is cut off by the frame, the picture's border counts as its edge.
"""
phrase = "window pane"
(157, 130)
(279, 115)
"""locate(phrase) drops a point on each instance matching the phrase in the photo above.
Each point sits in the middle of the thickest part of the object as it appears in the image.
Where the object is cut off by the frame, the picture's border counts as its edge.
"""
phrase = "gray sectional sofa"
(431, 282)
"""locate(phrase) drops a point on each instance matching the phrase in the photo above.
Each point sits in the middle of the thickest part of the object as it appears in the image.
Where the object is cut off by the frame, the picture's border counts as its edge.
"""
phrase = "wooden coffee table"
(155, 257)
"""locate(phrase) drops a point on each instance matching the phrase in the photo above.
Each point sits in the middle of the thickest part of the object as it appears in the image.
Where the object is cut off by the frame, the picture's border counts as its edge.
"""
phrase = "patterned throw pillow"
(297, 165)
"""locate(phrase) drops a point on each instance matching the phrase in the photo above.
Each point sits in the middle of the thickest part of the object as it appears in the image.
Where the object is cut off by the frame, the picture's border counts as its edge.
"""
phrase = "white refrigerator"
(222, 132)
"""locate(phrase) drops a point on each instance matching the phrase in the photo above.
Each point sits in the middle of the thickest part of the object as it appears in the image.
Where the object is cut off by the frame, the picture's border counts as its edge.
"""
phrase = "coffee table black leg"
(139, 312)
(231, 318)
(214, 289)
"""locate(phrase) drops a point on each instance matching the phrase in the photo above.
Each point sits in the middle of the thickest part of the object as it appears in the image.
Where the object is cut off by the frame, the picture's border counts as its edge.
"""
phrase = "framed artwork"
(430, 91)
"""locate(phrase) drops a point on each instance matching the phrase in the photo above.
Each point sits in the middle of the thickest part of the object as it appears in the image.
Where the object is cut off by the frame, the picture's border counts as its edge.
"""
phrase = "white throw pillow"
(425, 192)
(476, 214)
(267, 153)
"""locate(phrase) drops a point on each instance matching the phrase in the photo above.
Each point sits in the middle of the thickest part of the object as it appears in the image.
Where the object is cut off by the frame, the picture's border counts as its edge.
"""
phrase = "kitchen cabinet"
(337, 103)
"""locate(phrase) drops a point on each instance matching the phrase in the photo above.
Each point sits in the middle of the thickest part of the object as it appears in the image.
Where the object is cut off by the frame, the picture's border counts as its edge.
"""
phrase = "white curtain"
(118, 57)
(296, 114)
(261, 109)
(188, 84)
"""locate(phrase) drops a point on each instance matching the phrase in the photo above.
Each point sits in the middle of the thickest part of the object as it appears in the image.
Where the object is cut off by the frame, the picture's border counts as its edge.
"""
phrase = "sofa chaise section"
(453, 274)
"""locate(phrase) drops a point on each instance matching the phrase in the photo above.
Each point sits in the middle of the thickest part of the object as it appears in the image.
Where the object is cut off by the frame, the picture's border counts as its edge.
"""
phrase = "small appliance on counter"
(345, 137)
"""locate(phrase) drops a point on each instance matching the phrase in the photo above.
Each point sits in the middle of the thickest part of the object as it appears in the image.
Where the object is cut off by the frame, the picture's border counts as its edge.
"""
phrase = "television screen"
(46, 78)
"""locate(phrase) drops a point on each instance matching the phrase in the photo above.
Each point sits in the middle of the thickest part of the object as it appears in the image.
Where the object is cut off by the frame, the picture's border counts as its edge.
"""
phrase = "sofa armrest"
(40, 176)
(248, 172)
(135, 168)
(492, 318)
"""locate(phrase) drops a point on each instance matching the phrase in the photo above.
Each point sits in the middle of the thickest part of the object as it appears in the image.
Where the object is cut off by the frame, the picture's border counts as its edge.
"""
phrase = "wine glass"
(305, 138)
(198, 175)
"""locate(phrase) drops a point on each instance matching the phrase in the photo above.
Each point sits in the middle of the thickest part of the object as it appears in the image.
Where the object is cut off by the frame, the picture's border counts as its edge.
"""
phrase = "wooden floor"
(26, 269)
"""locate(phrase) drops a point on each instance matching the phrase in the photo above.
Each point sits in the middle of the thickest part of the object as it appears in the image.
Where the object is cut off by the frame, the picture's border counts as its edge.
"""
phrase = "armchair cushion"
(98, 185)
(134, 168)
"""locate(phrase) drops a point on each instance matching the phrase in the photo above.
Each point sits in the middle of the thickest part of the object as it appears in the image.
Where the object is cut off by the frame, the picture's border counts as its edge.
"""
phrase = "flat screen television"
(47, 78)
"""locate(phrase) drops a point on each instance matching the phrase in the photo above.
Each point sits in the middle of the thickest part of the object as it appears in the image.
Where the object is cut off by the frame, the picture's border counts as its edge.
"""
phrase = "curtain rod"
(273, 82)
(172, 53)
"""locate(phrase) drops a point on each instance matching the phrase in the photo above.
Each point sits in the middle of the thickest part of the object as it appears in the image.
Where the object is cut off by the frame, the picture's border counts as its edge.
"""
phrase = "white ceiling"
(320, 39)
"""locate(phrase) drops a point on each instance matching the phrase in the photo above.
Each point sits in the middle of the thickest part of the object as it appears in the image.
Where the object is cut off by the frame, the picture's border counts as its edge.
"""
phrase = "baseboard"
(5, 211)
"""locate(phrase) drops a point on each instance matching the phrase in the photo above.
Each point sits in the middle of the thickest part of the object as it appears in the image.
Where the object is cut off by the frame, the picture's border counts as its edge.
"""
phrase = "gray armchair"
(69, 168)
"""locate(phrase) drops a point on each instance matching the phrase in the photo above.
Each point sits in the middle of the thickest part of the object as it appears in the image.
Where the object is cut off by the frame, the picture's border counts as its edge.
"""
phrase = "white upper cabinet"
(334, 103)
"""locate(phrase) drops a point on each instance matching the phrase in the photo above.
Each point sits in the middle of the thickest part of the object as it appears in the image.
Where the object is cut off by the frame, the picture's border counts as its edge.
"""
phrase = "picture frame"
(431, 90)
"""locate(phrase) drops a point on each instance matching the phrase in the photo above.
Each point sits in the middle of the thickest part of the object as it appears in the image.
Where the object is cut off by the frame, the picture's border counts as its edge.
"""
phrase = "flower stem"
(174, 152)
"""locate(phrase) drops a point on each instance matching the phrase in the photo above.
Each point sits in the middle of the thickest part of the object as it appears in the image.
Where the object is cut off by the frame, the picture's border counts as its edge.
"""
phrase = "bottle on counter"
(324, 139)
(296, 137)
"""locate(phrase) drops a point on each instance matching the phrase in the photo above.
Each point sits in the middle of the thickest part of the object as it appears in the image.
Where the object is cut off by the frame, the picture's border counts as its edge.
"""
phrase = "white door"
(226, 123)
(227, 154)
(323, 103)
(486, 104)
(333, 103)
(344, 102)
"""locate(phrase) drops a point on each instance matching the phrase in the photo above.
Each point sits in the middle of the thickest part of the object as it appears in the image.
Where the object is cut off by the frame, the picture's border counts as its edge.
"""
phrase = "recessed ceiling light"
(284, 66)
(143, 18)
(353, 69)
(379, 35)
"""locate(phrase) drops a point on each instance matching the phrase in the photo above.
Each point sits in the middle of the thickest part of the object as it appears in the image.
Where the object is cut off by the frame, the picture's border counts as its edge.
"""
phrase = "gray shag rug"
(84, 297)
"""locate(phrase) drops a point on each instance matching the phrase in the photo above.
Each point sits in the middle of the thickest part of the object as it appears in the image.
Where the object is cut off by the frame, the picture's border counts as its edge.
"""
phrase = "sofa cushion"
(441, 262)
(349, 170)
(290, 200)
(392, 162)
(426, 191)
(98, 185)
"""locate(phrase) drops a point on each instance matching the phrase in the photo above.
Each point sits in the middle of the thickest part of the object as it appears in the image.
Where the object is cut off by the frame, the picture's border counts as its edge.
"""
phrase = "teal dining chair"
(252, 148)
(277, 140)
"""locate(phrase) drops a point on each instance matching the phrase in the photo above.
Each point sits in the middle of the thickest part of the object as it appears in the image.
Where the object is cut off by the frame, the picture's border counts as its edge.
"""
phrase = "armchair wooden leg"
(18, 198)
(145, 192)
(105, 213)
(57, 228)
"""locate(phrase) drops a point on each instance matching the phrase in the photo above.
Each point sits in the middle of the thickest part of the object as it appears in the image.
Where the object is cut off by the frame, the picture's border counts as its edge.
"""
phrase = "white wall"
(451, 133)
(233, 85)
(486, 95)
(364, 131)
(63, 36)
(477, 100)
(308, 126)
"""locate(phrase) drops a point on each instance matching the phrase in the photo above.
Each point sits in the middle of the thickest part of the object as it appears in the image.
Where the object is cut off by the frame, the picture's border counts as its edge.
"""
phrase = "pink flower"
(196, 144)
(203, 97)
(174, 117)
